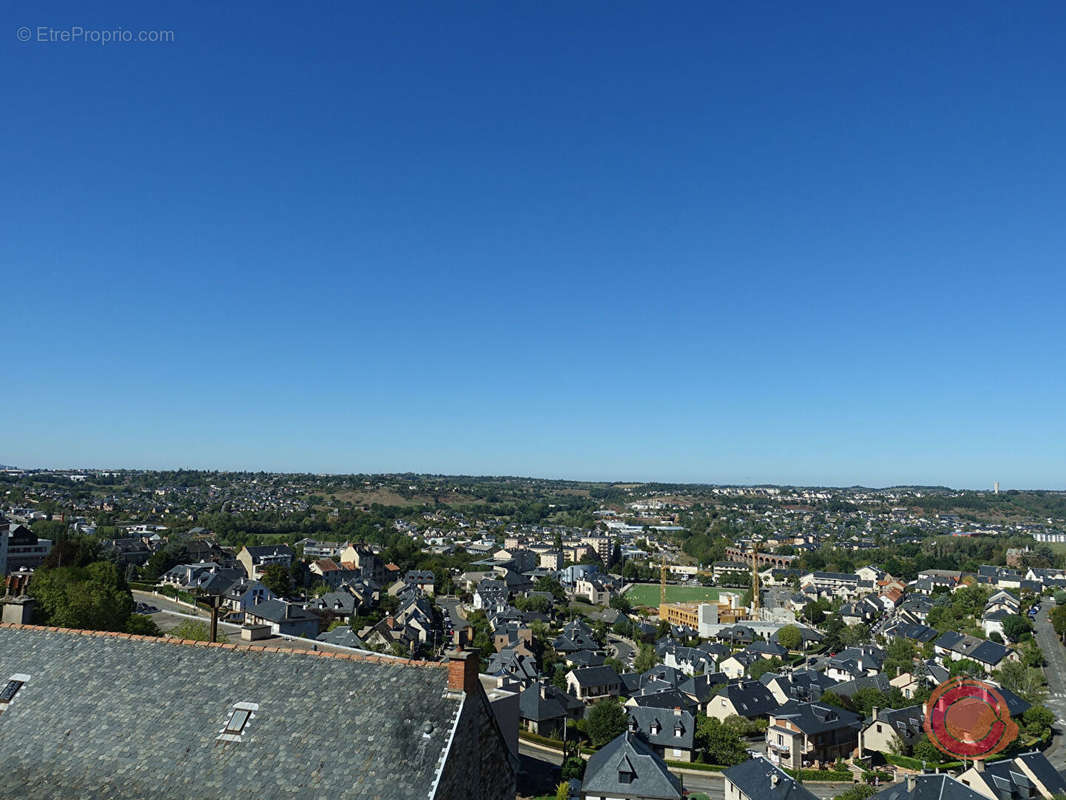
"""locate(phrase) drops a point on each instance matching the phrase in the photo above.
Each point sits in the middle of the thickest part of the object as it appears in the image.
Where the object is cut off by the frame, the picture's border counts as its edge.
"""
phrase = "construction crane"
(662, 581)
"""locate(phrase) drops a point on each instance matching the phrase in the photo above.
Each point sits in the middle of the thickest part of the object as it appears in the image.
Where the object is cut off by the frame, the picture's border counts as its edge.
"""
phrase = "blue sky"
(717, 243)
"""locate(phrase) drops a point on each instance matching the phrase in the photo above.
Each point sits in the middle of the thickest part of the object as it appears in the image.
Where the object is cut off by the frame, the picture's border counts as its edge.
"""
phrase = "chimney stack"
(463, 666)
(910, 784)
(875, 710)
(979, 765)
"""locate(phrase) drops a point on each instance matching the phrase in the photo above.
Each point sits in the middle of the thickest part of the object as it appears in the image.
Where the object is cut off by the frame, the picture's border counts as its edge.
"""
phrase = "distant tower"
(995, 487)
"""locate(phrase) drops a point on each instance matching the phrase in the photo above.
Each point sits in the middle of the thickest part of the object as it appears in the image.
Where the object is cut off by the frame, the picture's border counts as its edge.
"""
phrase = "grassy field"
(647, 594)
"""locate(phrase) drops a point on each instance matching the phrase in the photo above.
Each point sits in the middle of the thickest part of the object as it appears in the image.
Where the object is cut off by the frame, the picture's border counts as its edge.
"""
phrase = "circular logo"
(968, 718)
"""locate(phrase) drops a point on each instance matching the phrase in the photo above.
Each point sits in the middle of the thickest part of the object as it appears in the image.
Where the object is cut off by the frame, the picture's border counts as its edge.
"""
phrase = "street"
(623, 650)
(542, 766)
(1056, 678)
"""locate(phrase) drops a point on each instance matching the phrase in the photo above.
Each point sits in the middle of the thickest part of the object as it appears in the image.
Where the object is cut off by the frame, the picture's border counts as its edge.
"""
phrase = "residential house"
(748, 699)
(928, 787)
(736, 664)
(421, 579)
(911, 630)
(244, 594)
(811, 734)
(329, 606)
(1024, 777)
(760, 779)
(258, 558)
(366, 562)
(801, 684)
(892, 730)
(954, 646)
(544, 709)
(590, 684)
(24, 548)
(627, 767)
(854, 662)
(671, 732)
(284, 619)
(252, 723)
(490, 593)
(514, 665)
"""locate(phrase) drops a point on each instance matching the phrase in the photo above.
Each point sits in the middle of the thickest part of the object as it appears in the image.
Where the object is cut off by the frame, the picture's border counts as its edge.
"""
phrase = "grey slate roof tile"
(116, 718)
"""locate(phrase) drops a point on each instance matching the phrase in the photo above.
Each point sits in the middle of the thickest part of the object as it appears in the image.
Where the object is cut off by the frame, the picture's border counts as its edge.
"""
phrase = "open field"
(647, 594)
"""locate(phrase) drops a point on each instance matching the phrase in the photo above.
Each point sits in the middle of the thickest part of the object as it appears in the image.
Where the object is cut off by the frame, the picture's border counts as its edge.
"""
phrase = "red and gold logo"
(968, 718)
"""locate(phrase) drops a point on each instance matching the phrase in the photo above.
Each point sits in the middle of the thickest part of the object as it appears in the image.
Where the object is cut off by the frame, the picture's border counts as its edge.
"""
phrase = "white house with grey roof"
(627, 767)
(758, 779)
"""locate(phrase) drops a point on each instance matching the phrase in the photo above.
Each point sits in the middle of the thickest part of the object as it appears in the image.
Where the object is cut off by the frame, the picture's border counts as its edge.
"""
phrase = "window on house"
(238, 719)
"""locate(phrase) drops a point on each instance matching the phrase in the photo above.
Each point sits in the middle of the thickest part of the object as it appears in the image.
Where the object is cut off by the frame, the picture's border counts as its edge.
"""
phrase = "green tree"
(606, 720)
(1015, 626)
(278, 580)
(139, 624)
(646, 658)
(762, 666)
(1028, 682)
(1037, 721)
(95, 597)
(859, 791)
(195, 631)
(927, 751)
(718, 743)
(790, 637)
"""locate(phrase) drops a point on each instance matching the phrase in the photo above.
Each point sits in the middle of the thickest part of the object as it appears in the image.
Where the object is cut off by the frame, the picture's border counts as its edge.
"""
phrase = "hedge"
(536, 737)
(821, 775)
(908, 762)
(696, 765)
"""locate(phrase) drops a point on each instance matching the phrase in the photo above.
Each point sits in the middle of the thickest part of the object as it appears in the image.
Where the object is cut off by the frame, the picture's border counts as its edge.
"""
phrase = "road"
(452, 605)
(623, 650)
(535, 759)
(1056, 679)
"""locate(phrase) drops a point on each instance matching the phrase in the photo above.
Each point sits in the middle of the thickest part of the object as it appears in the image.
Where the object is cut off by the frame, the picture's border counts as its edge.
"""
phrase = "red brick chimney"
(463, 667)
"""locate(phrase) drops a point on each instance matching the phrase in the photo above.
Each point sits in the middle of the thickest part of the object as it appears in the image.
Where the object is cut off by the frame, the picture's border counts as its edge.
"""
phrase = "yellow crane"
(662, 581)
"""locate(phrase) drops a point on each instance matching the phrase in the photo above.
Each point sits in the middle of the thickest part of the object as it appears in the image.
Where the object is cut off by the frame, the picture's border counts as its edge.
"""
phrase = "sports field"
(647, 594)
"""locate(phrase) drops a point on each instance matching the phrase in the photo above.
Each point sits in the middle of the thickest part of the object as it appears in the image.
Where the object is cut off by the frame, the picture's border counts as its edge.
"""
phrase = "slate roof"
(912, 630)
(906, 723)
(880, 681)
(754, 778)
(928, 787)
(118, 717)
(815, 718)
(629, 753)
(554, 705)
(341, 635)
(663, 727)
(749, 698)
(981, 650)
(596, 676)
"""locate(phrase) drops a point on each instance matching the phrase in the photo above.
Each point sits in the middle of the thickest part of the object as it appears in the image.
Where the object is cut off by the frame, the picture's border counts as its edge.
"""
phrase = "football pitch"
(647, 594)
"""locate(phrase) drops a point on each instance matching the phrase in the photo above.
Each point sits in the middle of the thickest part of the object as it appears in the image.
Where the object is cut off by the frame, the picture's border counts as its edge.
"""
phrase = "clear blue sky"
(705, 242)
